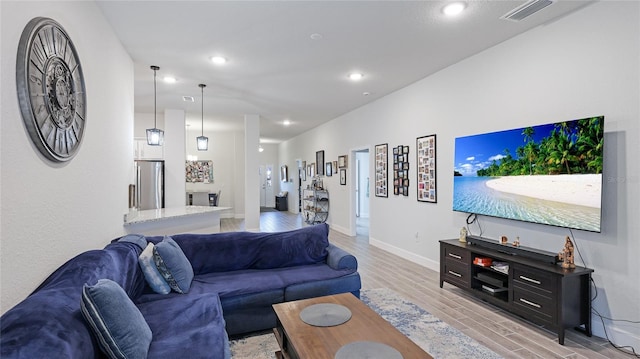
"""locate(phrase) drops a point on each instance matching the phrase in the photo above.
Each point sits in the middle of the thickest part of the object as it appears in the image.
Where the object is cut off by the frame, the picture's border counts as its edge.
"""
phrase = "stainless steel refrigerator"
(149, 184)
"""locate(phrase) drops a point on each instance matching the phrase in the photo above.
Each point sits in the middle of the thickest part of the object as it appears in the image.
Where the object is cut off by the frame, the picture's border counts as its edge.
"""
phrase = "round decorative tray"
(369, 350)
(325, 314)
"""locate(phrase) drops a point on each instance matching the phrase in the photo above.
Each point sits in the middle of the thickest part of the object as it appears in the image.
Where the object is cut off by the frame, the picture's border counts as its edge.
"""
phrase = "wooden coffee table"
(298, 339)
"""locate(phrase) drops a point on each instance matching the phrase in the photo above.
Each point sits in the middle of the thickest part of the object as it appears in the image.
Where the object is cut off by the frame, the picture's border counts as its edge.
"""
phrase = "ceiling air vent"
(187, 98)
(525, 10)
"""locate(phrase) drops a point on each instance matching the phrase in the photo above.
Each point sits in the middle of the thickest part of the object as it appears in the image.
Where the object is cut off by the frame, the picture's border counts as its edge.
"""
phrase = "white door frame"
(351, 182)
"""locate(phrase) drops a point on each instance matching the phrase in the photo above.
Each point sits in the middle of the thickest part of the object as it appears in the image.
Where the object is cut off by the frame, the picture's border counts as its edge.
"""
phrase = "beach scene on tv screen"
(549, 174)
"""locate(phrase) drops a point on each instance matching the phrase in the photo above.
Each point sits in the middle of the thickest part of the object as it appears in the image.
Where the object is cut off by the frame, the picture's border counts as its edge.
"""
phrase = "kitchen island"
(174, 220)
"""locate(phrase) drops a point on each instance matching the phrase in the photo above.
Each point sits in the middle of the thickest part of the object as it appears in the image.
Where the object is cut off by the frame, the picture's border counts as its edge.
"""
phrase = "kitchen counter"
(174, 220)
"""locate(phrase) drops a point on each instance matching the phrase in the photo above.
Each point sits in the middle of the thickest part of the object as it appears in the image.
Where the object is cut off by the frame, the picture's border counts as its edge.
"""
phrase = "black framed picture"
(328, 171)
(426, 170)
(343, 176)
(342, 161)
(401, 170)
(381, 163)
(320, 163)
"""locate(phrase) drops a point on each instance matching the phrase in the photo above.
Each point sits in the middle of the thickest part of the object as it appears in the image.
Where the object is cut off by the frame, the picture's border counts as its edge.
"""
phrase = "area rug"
(434, 336)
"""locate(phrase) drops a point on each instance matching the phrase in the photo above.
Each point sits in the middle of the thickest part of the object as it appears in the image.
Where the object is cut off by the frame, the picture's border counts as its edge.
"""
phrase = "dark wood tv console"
(543, 293)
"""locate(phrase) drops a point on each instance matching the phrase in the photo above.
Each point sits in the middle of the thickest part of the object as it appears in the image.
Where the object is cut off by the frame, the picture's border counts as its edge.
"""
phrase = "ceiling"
(289, 60)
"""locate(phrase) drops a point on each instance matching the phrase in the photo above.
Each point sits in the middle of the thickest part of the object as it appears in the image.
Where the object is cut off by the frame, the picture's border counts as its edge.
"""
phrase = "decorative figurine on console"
(463, 235)
(504, 240)
(566, 256)
(516, 243)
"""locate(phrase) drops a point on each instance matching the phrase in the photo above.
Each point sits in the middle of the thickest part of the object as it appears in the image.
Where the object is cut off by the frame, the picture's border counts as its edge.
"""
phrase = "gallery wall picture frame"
(303, 171)
(312, 171)
(328, 171)
(320, 163)
(381, 166)
(342, 161)
(199, 171)
(284, 173)
(335, 166)
(343, 176)
(426, 169)
(401, 170)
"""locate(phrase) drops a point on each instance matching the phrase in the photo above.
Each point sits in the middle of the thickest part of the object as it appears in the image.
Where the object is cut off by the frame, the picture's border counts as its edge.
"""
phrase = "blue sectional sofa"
(237, 276)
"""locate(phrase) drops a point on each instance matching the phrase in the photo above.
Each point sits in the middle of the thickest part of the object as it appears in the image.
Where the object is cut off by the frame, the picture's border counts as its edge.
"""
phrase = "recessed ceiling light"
(355, 76)
(218, 60)
(316, 36)
(188, 99)
(286, 122)
(169, 79)
(366, 93)
(454, 8)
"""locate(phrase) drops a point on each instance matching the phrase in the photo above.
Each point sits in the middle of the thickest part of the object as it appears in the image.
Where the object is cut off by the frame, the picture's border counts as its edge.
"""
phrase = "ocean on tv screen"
(549, 174)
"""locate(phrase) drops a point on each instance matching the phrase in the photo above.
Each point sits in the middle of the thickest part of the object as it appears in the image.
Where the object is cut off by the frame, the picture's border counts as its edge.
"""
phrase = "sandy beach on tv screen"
(583, 190)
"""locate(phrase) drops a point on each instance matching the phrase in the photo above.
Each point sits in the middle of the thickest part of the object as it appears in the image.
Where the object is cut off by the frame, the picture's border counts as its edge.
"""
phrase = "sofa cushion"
(349, 283)
(231, 251)
(120, 328)
(151, 273)
(186, 326)
(137, 239)
(173, 265)
(228, 284)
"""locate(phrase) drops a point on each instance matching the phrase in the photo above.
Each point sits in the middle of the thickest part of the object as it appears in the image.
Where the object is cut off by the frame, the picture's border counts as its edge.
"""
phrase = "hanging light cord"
(155, 92)
(202, 103)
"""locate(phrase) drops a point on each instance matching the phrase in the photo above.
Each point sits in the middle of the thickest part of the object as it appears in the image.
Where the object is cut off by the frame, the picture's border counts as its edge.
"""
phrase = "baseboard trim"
(403, 253)
(340, 229)
(618, 335)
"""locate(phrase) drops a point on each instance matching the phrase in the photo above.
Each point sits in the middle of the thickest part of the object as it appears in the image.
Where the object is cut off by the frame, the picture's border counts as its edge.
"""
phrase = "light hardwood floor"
(504, 333)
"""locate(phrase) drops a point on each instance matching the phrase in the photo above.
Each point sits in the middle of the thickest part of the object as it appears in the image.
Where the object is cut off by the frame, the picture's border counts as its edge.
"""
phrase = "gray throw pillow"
(173, 265)
(118, 325)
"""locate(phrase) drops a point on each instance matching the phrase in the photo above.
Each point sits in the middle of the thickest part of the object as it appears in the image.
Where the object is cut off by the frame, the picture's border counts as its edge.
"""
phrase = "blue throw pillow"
(120, 328)
(173, 265)
(137, 239)
(151, 274)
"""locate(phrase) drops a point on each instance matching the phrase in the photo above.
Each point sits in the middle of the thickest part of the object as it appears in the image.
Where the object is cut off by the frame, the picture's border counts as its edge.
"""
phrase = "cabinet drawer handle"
(456, 274)
(454, 256)
(530, 303)
(530, 280)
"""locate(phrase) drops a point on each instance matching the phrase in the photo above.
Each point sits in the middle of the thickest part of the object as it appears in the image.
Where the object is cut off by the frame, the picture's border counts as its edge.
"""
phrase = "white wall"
(584, 64)
(174, 157)
(220, 151)
(51, 212)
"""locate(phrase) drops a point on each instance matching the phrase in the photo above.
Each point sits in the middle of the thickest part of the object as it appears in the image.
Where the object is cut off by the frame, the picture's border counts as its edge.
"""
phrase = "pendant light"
(202, 141)
(155, 136)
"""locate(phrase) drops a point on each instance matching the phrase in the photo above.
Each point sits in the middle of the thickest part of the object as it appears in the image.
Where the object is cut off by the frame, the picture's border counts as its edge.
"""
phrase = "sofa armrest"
(338, 258)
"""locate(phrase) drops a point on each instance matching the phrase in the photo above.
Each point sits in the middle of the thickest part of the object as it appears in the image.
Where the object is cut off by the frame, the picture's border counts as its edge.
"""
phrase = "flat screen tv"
(549, 174)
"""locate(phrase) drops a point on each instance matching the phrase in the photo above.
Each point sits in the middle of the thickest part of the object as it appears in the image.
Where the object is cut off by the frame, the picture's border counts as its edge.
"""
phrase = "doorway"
(362, 192)
(267, 199)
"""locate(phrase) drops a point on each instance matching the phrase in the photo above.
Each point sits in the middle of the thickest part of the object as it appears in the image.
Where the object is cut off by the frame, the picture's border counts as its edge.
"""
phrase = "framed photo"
(303, 171)
(426, 173)
(320, 163)
(312, 170)
(400, 170)
(342, 161)
(328, 170)
(199, 171)
(335, 166)
(343, 176)
(381, 164)
(284, 173)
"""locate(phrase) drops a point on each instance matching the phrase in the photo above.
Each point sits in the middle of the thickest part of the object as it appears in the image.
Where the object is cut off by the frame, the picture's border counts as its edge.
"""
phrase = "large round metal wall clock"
(51, 89)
